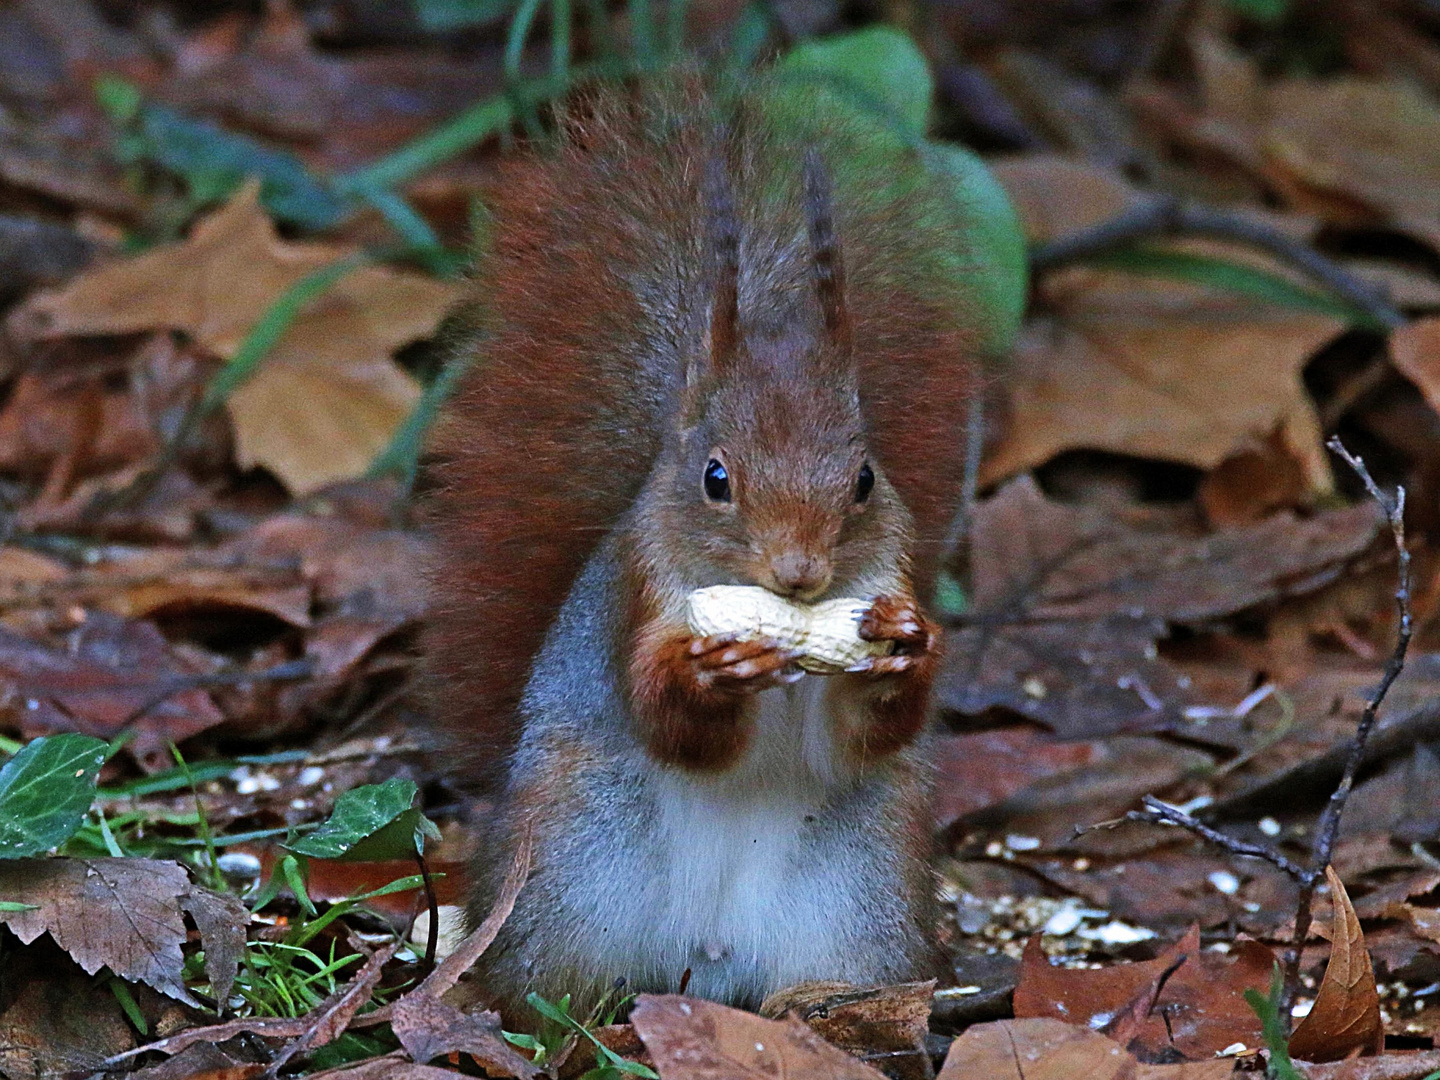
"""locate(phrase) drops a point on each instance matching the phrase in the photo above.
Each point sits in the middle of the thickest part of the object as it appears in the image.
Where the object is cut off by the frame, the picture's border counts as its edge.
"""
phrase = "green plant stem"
(452, 138)
(214, 878)
(675, 26)
(642, 31)
(560, 39)
(432, 940)
(515, 39)
(402, 456)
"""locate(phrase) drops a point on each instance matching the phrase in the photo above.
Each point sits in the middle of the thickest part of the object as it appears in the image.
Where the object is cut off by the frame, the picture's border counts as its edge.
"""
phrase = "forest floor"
(229, 234)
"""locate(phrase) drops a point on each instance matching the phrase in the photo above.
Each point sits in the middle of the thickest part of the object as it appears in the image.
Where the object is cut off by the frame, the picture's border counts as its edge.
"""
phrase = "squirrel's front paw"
(896, 619)
(726, 663)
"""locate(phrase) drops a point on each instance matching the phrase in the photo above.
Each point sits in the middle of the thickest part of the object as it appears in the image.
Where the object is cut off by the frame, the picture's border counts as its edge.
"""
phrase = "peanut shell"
(828, 633)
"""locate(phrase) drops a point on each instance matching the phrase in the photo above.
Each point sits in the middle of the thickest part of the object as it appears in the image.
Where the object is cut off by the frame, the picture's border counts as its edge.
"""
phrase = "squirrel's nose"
(799, 573)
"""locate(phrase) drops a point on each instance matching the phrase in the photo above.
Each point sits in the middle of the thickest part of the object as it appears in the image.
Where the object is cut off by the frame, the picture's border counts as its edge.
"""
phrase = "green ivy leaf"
(879, 64)
(45, 791)
(994, 262)
(373, 822)
(969, 251)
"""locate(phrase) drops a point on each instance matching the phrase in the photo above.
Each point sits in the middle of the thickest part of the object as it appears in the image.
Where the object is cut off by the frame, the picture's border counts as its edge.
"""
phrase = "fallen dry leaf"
(1091, 997)
(883, 1020)
(1143, 365)
(328, 397)
(428, 1027)
(1415, 1065)
(1372, 141)
(1069, 602)
(983, 768)
(221, 920)
(56, 1020)
(1353, 150)
(692, 1039)
(1160, 369)
(389, 1067)
(1415, 348)
(200, 1062)
(111, 670)
(1199, 1010)
(1346, 1013)
(1046, 1049)
(123, 914)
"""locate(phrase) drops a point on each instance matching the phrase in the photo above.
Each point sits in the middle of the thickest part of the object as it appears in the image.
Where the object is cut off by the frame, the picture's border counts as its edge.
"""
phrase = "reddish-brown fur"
(556, 429)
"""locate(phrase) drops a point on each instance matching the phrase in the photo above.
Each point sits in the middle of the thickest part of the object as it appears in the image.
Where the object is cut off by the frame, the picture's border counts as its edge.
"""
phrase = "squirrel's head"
(772, 482)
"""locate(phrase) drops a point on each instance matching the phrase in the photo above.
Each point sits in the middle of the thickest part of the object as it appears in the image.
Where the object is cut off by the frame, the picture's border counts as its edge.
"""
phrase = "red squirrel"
(702, 357)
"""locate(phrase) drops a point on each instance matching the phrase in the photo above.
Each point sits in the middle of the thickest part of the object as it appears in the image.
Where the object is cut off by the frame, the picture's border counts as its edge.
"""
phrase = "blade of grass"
(675, 25)
(452, 138)
(272, 327)
(314, 926)
(401, 458)
(515, 38)
(642, 29)
(176, 778)
(126, 1000)
(1272, 1027)
(560, 39)
(111, 846)
(1218, 273)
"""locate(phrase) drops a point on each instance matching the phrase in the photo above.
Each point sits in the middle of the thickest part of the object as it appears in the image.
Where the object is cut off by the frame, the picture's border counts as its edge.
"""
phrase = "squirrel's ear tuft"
(723, 229)
(722, 242)
(827, 266)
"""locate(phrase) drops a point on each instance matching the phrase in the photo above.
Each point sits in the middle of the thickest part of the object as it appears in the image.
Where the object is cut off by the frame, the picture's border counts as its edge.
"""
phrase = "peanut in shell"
(827, 634)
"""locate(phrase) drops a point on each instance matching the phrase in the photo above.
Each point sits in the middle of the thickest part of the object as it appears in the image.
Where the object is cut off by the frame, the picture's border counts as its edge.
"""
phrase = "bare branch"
(1157, 812)
(1328, 827)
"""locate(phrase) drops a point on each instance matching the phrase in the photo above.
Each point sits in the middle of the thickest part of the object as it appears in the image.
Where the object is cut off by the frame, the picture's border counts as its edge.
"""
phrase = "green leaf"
(997, 265)
(45, 791)
(879, 63)
(1272, 1027)
(967, 248)
(375, 821)
(15, 905)
(120, 98)
(294, 876)
(442, 16)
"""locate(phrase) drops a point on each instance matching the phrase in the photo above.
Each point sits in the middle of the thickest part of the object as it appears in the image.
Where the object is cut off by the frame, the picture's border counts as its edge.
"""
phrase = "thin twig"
(1166, 215)
(432, 940)
(1328, 827)
(1162, 813)
(959, 530)
(286, 671)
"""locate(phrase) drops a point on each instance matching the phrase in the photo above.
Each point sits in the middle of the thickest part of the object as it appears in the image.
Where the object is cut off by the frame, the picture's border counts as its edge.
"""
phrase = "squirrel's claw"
(897, 619)
(724, 662)
(879, 666)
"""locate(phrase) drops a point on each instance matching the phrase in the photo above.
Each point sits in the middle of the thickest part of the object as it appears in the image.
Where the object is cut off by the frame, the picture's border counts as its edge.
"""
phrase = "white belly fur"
(740, 893)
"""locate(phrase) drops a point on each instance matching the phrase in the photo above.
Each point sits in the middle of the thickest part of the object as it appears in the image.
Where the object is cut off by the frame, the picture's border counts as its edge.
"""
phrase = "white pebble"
(1224, 882)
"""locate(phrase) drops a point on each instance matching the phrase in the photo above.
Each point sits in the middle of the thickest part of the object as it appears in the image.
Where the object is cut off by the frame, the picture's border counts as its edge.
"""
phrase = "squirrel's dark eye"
(717, 482)
(864, 483)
